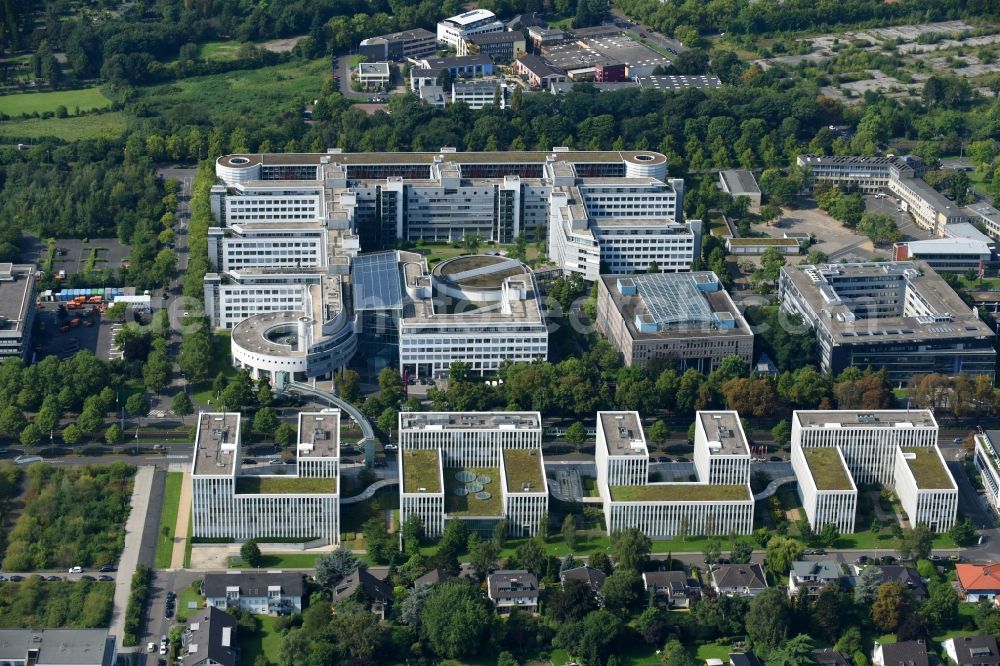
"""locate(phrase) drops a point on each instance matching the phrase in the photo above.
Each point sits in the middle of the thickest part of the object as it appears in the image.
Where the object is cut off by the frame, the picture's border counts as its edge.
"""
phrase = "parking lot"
(889, 205)
(157, 623)
(72, 253)
(97, 337)
(832, 238)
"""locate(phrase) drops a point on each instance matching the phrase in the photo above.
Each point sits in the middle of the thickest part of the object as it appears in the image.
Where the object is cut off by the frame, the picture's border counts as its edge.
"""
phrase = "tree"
(569, 531)
(712, 551)
(767, 621)
(889, 607)
(113, 435)
(387, 420)
(380, 545)
(500, 533)
(413, 534)
(675, 654)
(782, 433)
(867, 586)
(484, 558)
(630, 548)
(284, 435)
(576, 434)
(797, 651)
(71, 434)
(531, 555)
(181, 405)
(265, 421)
(137, 405)
(48, 416)
(916, 542)
(250, 553)
(880, 228)
(457, 619)
(623, 591)
(331, 568)
(658, 433)
(600, 560)
(348, 385)
(574, 600)
(781, 553)
(941, 606)
(963, 532)
(390, 385)
(741, 552)
(471, 242)
(31, 436)
(12, 421)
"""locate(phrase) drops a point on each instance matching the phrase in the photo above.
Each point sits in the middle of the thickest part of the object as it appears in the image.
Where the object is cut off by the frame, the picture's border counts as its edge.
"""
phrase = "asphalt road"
(156, 623)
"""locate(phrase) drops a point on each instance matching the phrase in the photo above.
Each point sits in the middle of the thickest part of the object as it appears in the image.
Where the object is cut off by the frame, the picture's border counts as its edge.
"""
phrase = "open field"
(168, 520)
(219, 50)
(266, 642)
(77, 128)
(42, 102)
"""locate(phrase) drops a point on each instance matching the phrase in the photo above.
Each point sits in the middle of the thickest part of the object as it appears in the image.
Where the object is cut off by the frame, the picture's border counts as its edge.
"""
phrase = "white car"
(76, 570)
(151, 647)
(163, 648)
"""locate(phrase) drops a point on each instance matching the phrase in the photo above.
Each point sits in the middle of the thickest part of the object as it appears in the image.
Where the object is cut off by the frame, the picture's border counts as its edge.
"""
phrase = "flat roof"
(680, 492)
(750, 242)
(373, 68)
(470, 17)
(319, 434)
(606, 49)
(953, 245)
(285, 485)
(524, 469)
(740, 182)
(827, 468)
(404, 35)
(834, 292)
(473, 503)
(216, 443)
(470, 420)
(57, 647)
(927, 469)
(678, 81)
(376, 281)
(724, 432)
(420, 470)
(623, 433)
(878, 418)
(495, 37)
(17, 286)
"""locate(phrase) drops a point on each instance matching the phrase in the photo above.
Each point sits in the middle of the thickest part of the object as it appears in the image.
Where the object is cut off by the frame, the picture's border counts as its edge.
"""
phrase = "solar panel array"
(377, 285)
(673, 298)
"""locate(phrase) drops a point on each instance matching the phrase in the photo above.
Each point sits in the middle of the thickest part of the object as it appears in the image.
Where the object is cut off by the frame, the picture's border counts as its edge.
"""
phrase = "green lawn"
(86, 99)
(266, 641)
(93, 126)
(280, 560)
(219, 51)
(713, 651)
(189, 543)
(168, 520)
(284, 485)
(221, 362)
(189, 595)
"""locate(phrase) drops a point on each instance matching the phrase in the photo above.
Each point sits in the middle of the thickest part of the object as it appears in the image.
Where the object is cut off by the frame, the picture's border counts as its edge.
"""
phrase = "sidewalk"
(133, 542)
(183, 518)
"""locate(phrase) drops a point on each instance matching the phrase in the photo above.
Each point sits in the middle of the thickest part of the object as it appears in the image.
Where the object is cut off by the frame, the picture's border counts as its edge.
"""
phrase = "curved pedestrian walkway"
(370, 491)
(773, 487)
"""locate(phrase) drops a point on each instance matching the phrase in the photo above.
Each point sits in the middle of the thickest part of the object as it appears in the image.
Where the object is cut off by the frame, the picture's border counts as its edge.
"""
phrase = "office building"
(233, 502)
(671, 82)
(721, 454)
(57, 647)
(741, 183)
(429, 70)
(687, 317)
(664, 510)
(536, 72)
(501, 46)
(373, 75)
(417, 43)
(900, 316)
(452, 31)
(17, 309)
(987, 460)
(987, 215)
(477, 94)
(835, 451)
(477, 467)
(899, 176)
(270, 593)
(760, 245)
(946, 255)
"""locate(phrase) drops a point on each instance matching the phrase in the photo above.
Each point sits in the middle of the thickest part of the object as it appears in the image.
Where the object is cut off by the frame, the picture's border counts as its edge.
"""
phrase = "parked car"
(74, 570)
(16, 579)
(53, 579)
(951, 558)
(151, 647)
(935, 558)
(862, 559)
(249, 461)
(86, 577)
(888, 559)
(106, 578)
(107, 568)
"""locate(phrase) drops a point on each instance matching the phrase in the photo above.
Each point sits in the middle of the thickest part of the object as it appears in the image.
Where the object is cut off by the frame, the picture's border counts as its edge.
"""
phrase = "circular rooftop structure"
(476, 277)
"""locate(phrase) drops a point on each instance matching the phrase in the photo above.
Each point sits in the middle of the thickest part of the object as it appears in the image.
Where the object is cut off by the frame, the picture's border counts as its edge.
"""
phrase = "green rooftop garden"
(523, 467)
(679, 492)
(284, 485)
(827, 470)
(469, 505)
(420, 470)
(927, 469)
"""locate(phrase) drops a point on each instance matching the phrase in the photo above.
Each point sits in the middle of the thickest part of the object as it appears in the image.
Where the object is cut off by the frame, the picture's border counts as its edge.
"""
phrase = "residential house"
(210, 640)
(432, 577)
(271, 593)
(745, 580)
(744, 659)
(829, 657)
(378, 593)
(672, 588)
(908, 577)
(979, 581)
(972, 650)
(588, 575)
(513, 589)
(810, 577)
(907, 653)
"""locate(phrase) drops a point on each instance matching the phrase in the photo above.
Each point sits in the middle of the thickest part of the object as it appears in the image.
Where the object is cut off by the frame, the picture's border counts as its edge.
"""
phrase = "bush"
(136, 604)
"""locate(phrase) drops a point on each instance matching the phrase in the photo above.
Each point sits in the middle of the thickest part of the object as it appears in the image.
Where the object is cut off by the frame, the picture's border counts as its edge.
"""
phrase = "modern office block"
(452, 31)
(826, 488)
(925, 487)
(664, 510)
(231, 502)
(687, 317)
(721, 453)
(901, 316)
(57, 647)
(947, 255)
(478, 467)
(501, 46)
(987, 461)
(17, 309)
(479, 94)
(833, 451)
(415, 43)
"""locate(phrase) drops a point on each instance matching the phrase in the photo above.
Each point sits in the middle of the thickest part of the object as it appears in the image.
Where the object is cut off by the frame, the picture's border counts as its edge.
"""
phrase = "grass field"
(168, 519)
(86, 99)
(253, 95)
(280, 560)
(101, 125)
(188, 544)
(219, 51)
(265, 642)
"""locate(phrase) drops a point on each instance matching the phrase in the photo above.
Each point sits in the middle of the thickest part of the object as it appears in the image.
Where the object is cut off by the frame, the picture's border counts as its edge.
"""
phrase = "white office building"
(833, 451)
(925, 487)
(232, 502)
(478, 467)
(664, 510)
(987, 461)
(479, 94)
(452, 31)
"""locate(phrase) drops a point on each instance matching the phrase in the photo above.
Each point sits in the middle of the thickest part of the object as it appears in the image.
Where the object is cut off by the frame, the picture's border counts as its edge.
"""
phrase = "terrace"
(285, 485)
(827, 470)
(680, 492)
(927, 469)
(524, 470)
(461, 497)
(420, 471)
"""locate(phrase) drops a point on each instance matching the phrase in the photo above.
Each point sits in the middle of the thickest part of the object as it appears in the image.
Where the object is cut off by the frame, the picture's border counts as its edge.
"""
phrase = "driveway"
(133, 545)
(157, 624)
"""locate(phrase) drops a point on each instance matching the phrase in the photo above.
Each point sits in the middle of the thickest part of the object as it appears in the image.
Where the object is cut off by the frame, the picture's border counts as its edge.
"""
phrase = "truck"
(95, 299)
(72, 305)
(80, 299)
